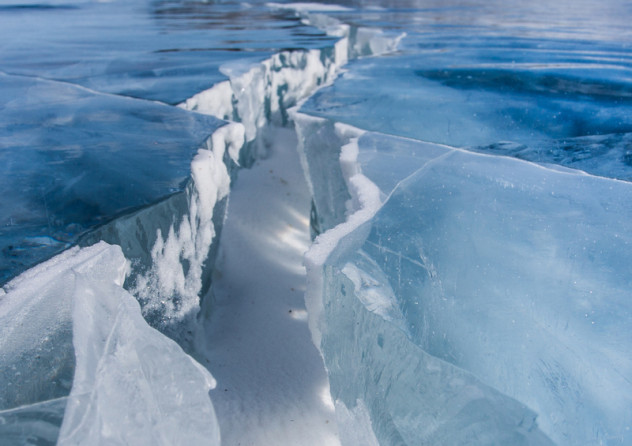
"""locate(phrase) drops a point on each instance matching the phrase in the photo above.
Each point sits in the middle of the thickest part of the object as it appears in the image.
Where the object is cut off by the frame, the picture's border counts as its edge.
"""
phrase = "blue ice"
(470, 168)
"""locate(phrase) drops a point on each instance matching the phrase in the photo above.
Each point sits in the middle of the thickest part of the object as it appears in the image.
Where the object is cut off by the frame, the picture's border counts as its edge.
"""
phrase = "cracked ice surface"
(457, 265)
(165, 214)
(456, 297)
(502, 266)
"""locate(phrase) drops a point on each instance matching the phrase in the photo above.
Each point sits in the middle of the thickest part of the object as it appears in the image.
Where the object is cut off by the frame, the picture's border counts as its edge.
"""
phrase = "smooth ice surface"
(521, 275)
(159, 50)
(548, 86)
(72, 159)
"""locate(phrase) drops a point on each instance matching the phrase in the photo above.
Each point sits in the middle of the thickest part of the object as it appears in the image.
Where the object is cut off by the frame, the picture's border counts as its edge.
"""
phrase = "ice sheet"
(551, 89)
(166, 51)
(510, 275)
(73, 159)
(515, 274)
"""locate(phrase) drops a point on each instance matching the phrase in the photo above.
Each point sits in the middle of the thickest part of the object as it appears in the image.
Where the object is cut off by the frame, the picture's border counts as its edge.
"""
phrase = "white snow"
(216, 101)
(272, 388)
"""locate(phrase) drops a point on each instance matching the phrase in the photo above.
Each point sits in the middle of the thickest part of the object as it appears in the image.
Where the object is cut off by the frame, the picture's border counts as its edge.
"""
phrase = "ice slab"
(512, 276)
(604, 155)
(36, 355)
(73, 159)
(546, 111)
(131, 384)
(477, 79)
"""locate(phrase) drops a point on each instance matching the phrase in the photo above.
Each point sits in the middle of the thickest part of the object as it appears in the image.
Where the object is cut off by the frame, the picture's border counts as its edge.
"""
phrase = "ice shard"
(129, 382)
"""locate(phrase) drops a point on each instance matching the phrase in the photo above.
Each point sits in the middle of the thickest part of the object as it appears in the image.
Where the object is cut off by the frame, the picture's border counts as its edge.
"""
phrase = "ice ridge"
(259, 94)
(176, 263)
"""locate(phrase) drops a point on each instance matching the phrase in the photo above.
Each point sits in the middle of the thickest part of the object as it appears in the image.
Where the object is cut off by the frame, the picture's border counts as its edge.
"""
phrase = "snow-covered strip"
(255, 95)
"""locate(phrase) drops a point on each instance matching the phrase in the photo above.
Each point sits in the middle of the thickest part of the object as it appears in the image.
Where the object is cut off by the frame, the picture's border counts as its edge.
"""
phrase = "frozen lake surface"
(463, 169)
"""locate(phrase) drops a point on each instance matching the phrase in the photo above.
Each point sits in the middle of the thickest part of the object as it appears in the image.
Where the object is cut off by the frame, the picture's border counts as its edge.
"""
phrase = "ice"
(479, 80)
(36, 354)
(83, 166)
(477, 108)
(260, 93)
(130, 384)
(171, 287)
(328, 187)
(604, 155)
(74, 172)
(509, 275)
(470, 295)
(70, 162)
(32, 424)
(165, 51)
(441, 267)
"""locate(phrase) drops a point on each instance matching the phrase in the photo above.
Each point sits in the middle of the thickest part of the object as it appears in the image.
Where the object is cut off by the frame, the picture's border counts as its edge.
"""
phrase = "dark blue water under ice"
(481, 292)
